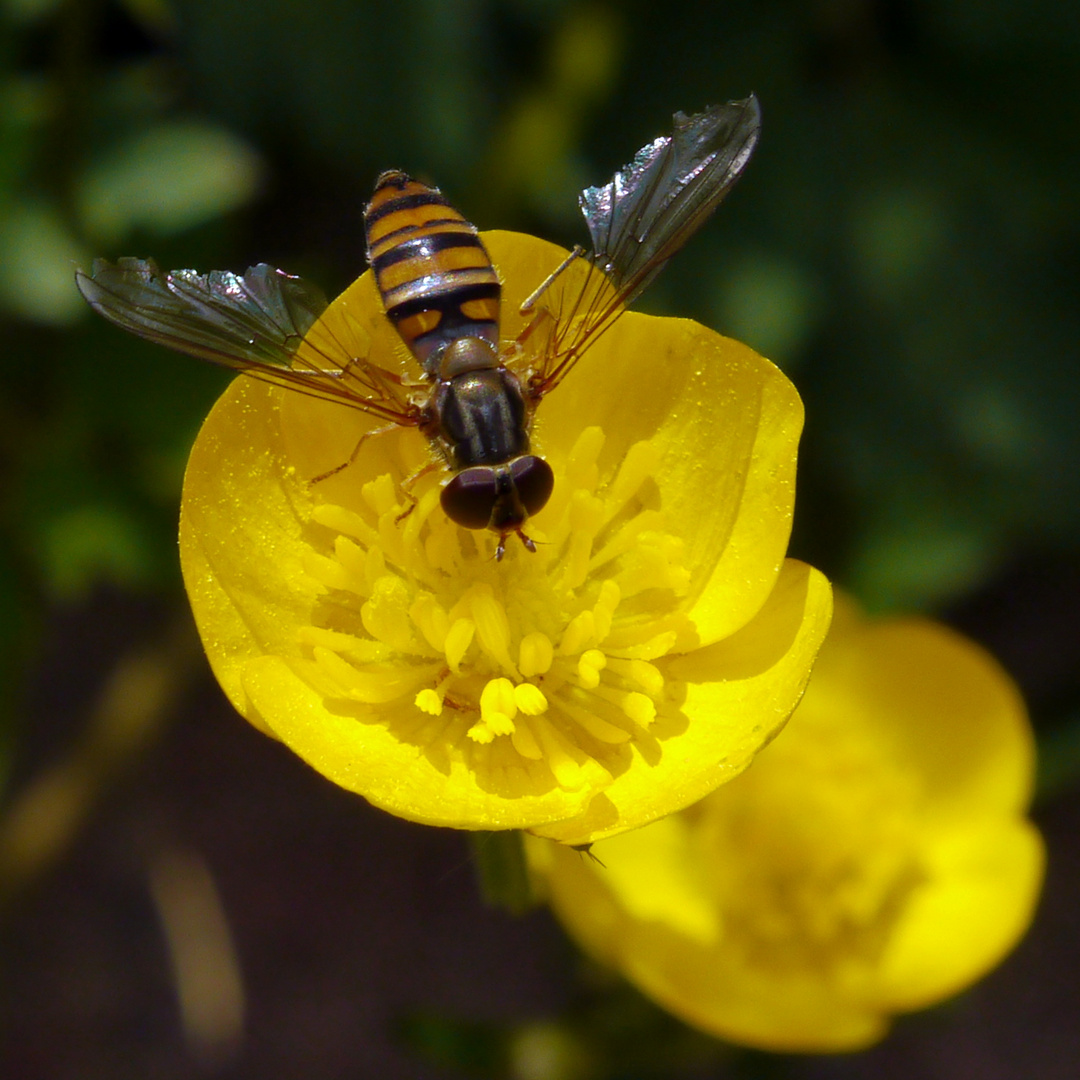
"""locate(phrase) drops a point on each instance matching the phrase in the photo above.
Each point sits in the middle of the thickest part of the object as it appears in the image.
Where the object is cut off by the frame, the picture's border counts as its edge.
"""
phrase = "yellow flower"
(655, 641)
(873, 861)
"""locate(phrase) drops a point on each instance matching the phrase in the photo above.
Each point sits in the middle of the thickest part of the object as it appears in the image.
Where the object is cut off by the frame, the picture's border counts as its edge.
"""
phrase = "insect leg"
(542, 318)
(500, 550)
(406, 488)
(376, 373)
(355, 453)
(531, 301)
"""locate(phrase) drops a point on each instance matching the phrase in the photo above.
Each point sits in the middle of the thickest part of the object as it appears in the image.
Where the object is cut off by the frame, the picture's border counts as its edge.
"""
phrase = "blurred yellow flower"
(651, 646)
(874, 860)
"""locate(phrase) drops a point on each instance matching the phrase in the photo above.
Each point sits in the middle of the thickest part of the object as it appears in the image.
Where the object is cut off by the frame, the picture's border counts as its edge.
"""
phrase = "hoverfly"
(439, 289)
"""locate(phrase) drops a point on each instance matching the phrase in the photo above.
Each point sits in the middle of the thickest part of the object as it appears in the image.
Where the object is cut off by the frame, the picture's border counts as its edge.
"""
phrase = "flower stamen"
(537, 652)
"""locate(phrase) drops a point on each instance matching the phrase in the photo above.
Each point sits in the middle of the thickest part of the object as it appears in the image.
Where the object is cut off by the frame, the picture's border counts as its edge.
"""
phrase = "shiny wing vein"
(254, 323)
(644, 215)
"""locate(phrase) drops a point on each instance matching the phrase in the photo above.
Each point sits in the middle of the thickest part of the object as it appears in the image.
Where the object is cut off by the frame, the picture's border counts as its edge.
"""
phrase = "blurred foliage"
(608, 1032)
(904, 244)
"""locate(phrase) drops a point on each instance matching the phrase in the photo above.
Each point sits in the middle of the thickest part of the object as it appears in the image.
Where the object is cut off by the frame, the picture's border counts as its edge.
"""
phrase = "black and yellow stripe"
(433, 273)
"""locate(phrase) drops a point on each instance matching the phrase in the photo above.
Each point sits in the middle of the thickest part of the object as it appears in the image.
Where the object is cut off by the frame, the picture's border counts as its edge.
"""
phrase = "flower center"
(543, 662)
(815, 850)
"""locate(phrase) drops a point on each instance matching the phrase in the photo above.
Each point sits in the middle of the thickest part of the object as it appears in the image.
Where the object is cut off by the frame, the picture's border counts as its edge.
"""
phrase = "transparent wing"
(648, 211)
(642, 217)
(254, 322)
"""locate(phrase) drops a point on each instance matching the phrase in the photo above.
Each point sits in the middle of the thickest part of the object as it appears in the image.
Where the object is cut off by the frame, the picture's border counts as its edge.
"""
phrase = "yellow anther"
(579, 634)
(481, 733)
(358, 650)
(655, 563)
(442, 550)
(590, 664)
(390, 535)
(627, 538)
(586, 513)
(418, 516)
(597, 728)
(461, 643)
(589, 677)
(524, 742)
(366, 651)
(492, 627)
(373, 687)
(640, 672)
(497, 697)
(458, 639)
(385, 614)
(330, 639)
(430, 619)
(568, 773)
(639, 708)
(428, 701)
(604, 610)
(640, 462)
(354, 560)
(374, 566)
(339, 671)
(586, 518)
(327, 572)
(380, 494)
(580, 469)
(500, 724)
(535, 653)
(632, 646)
(595, 659)
(530, 699)
(344, 521)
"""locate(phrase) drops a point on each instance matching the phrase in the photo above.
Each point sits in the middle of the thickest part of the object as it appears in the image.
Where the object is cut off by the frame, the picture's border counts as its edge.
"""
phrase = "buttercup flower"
(655, 641)
(874, 859)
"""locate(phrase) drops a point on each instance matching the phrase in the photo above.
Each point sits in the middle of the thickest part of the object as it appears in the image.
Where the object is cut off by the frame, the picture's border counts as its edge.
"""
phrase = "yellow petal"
(659, 941)
(644, 642)
(978, 899)
(734, 696)
(359, 749)
(867, 864)
(245, 574)
(964, 728)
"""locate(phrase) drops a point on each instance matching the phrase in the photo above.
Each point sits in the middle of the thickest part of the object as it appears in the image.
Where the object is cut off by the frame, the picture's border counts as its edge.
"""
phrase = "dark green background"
(904, 245)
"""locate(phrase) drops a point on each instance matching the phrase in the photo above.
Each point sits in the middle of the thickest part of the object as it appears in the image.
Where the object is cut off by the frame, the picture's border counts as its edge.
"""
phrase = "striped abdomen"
(436, 280)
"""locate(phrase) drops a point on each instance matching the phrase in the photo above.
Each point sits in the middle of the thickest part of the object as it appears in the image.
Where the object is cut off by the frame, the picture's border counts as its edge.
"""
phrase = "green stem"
(501, 870)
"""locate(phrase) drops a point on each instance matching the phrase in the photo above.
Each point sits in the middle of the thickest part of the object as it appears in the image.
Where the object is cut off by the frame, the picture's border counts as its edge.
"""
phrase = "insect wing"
(643, 216)
(226, 318)
(649, 209)
(253, 322)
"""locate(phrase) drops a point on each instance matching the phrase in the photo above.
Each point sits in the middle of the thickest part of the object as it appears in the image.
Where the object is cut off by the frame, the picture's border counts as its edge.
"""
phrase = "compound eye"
(534, 481)
(469, 499)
